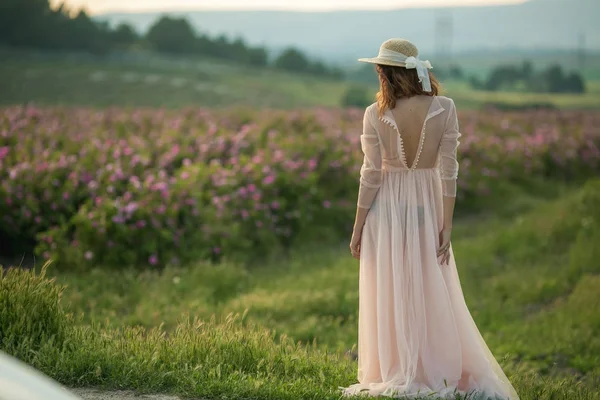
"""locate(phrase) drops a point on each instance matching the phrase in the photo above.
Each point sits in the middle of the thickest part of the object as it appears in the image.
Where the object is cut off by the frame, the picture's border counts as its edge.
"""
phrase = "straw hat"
(401, 46)
(402, 53)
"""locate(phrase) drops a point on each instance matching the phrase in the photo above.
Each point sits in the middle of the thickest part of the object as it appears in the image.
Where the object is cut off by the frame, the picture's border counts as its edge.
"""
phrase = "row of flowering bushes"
(149, 187)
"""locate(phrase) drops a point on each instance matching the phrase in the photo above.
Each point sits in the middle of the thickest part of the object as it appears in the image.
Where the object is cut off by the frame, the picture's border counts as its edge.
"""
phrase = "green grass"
(469, 98)
(157, 83)
(529, 271)
(152, 81)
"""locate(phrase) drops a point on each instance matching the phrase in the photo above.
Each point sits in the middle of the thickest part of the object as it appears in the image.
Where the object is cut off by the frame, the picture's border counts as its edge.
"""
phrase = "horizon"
(96, 7)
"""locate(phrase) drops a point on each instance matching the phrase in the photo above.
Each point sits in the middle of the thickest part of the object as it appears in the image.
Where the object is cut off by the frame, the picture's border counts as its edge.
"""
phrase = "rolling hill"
(532, 26)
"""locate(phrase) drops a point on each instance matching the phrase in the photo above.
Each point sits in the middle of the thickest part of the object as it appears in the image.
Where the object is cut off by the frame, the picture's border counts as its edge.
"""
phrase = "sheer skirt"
(416, 336)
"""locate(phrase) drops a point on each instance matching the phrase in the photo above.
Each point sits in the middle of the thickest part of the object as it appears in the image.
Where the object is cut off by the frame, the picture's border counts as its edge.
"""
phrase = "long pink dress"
(416, 336)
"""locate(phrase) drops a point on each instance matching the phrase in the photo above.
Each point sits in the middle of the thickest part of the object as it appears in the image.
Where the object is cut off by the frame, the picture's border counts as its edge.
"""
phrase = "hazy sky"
(99, 6)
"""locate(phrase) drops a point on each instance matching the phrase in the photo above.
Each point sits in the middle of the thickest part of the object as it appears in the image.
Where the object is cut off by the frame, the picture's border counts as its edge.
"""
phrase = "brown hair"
(398, 82)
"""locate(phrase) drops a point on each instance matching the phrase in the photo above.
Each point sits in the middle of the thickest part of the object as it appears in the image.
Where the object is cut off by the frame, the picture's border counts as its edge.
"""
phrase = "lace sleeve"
(370, 172)
(448, 165)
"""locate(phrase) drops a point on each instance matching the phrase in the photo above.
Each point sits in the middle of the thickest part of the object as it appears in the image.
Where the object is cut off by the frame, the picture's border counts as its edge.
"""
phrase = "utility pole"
(444, 32)
(581, 52)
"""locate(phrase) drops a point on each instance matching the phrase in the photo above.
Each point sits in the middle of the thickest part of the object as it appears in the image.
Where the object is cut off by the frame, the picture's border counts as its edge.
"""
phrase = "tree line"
(552, 79)
(35, 24)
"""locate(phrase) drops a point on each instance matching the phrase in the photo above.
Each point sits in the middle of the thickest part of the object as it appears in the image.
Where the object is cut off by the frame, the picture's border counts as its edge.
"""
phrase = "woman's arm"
(370, 177)
(449, 173)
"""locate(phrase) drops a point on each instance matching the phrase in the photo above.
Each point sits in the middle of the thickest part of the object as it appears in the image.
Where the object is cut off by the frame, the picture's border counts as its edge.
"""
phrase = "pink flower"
(217, 250)
(140, 224)
(269, 179)
(275, 205)
(326, 204)
(3, 152)
(88, 255)
(131, 208)
(153, 259)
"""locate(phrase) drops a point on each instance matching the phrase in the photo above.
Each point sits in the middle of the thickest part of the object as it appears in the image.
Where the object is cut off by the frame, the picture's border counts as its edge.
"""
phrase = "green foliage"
(523, 78)
(34, 24)
(172, 35)
(584, 255)
(124, 36)
(189, 185)
(450, 72)
(31, 315)
(357, 96)
(292, 59)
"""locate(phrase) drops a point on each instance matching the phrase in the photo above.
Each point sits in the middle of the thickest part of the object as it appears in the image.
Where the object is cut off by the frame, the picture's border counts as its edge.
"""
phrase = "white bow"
(422, 67)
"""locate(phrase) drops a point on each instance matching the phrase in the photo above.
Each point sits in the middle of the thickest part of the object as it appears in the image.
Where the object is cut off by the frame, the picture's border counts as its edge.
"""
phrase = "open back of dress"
(415, 334)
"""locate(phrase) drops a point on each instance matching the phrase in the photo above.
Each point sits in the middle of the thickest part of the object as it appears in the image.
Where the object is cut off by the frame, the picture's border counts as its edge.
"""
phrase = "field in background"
(144, 80)
(156, 82)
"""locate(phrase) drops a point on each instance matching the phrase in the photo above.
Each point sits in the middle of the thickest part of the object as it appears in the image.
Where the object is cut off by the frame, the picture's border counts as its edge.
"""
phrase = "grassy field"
(156, 82)
(152, 81)
(529, 271)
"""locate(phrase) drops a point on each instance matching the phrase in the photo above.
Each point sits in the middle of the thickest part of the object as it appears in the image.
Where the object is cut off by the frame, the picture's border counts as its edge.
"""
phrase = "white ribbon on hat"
(410, 63)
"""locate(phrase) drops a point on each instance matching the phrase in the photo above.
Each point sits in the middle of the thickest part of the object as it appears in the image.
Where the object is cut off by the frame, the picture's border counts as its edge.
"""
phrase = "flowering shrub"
(149, 187)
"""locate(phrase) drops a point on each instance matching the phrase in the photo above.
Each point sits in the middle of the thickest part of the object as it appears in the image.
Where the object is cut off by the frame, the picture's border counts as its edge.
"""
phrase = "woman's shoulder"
(371, 108)
(445, 101)
(371, 111)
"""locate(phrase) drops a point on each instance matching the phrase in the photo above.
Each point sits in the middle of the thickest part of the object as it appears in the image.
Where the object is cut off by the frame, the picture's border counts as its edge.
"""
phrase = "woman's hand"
(355, 245)
(444, 249)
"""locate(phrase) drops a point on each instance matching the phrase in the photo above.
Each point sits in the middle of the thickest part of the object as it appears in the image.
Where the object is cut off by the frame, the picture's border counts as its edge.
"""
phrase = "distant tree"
(574, 83)
(336, 73)
(476, 83)
(124, 36)
(456, 72)
(87, 35)
(502, 77)
(526, 70)
(293, 60)
(554, 78)
(356, 96)
(24, 22)
(258, 56)
(551, 80)
(318, 68)
(172, 35)
(33, 23)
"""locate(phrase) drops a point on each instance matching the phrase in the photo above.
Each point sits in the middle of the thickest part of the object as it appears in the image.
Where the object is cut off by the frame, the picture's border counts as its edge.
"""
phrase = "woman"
(416, 336)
